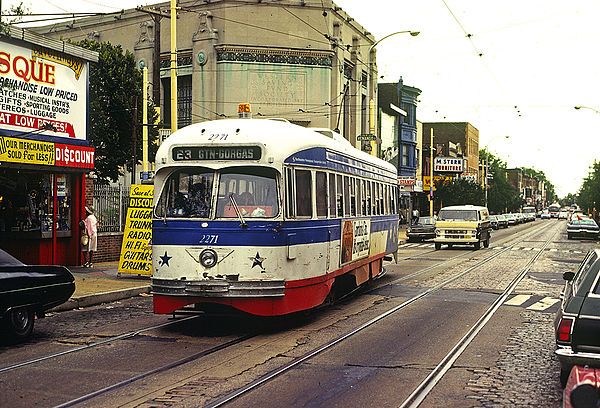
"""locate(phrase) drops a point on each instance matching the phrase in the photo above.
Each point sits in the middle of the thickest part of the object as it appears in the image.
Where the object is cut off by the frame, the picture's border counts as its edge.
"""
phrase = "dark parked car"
(29, 290)
(582, 227)
(422, 228)
(577, 323)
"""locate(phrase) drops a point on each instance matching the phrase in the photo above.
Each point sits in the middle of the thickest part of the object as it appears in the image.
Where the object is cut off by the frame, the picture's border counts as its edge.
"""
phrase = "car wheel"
(19, 323)
(564, 376)
(438, 245)
(477, 244)
(486, 243)
(449, 245)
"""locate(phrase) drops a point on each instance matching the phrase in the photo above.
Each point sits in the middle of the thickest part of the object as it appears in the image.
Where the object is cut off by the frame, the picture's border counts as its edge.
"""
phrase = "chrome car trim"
(568, 357)
(221, 288)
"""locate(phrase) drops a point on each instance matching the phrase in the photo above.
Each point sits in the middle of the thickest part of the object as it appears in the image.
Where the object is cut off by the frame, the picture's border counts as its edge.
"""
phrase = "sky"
(510, 68)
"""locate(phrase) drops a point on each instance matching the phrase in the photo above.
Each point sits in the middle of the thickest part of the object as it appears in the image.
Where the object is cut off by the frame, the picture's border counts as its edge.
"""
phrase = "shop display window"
(27, 204)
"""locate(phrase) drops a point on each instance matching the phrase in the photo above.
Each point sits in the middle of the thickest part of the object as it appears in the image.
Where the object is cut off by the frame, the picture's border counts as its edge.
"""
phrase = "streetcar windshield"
(462, 215)
(253, 189)
(187, 194)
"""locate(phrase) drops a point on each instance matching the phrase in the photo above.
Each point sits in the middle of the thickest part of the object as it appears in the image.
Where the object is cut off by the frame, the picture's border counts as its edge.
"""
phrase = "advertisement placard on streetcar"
(355, 240)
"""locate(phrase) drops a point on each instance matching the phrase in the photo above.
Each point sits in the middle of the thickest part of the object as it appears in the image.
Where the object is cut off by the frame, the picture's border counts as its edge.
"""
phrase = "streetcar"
(267, 217)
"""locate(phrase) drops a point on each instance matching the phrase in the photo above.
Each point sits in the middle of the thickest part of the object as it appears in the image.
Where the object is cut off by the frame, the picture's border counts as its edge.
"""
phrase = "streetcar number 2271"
(209, 239)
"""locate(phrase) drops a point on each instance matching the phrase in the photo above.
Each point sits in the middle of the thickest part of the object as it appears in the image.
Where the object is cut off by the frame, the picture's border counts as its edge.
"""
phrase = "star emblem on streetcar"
(257, 260)
(164, 260)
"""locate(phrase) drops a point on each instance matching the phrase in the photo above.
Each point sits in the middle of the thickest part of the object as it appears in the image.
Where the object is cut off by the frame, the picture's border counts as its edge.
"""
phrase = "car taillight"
(564, 329)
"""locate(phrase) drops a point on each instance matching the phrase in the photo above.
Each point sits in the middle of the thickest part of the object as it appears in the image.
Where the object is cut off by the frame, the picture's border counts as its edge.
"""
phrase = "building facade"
(304, 61)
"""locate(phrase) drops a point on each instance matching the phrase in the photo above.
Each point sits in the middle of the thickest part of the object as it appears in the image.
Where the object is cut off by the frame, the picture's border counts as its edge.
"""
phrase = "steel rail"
(92, 345)
(274, 373)
(425, 387)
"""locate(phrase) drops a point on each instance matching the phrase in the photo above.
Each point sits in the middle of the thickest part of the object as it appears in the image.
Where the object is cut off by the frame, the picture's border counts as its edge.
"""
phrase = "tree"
(17, 13)
(588, 197)
(115, 89)
(459, 191)
(502, 196)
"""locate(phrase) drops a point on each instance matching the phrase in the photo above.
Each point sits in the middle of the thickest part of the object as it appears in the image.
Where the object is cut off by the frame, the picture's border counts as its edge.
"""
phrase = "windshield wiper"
(237, 211)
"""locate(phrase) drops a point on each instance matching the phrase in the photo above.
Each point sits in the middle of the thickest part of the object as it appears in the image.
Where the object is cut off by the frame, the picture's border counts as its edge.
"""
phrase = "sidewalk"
(101, 284)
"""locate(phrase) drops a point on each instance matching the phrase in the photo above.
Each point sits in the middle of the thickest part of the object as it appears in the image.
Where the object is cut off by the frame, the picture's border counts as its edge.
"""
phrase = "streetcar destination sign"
(217, 153)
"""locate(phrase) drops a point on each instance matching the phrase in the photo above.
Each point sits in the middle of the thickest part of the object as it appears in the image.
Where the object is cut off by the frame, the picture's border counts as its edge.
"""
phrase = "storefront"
(44, 150)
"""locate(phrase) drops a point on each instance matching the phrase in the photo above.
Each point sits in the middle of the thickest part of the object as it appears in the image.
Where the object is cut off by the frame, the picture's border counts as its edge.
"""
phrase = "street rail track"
(429, 383)
(277, 372)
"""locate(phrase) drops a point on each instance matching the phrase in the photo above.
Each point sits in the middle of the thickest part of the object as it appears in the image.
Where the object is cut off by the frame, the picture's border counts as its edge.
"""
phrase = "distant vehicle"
(494, 221)
(529, 212)
(553, 210)
(563, 215)
(422, 228)
(511, 218)
(463, 224)
(582, 227)
(502, 221)
(577, 322)
(29, 290)
(545, 215)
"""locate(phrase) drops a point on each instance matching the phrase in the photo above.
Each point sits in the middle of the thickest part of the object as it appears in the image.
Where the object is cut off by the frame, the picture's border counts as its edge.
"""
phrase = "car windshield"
(425, 221)
(187, 194)
(462, 215)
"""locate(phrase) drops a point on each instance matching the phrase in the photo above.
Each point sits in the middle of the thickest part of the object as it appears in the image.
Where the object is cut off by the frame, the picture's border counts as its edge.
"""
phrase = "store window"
(27, 203)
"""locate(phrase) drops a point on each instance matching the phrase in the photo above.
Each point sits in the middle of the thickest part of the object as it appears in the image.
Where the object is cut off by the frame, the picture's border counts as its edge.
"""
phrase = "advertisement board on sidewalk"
(136, 250)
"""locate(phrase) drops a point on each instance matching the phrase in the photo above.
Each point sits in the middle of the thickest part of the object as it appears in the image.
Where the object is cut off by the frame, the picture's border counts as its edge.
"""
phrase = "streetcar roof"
(279, 139)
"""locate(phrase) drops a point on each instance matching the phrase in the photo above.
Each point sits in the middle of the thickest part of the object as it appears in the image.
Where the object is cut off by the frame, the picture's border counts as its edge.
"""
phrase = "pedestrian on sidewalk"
(91, 228)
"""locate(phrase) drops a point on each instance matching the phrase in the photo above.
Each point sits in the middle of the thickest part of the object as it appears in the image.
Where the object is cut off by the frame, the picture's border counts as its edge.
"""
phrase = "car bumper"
(217, 289)
(421, 235)
(465, 239)
(568, 358)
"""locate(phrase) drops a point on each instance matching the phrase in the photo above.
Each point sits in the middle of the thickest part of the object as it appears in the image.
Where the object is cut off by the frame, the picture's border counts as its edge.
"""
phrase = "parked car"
(583, 388)
(512, 219)
(422, 228)
(563, 215)
(494, 222)
(29, 290)
(582, 227)
(577, 322)
(502, 221)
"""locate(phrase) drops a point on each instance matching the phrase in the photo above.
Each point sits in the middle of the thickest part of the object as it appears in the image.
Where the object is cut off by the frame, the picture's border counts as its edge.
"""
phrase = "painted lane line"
(543, 304)
(518, 300)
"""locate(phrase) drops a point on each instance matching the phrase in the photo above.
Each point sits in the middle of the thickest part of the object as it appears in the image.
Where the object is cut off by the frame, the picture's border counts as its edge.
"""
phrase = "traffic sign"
(366, 137)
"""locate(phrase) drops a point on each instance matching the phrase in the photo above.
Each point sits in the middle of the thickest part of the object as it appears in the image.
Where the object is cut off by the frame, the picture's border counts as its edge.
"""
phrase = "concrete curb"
(98, 298)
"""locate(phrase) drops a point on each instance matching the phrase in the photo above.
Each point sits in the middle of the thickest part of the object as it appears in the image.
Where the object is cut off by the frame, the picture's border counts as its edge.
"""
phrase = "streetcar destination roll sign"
(217, 153)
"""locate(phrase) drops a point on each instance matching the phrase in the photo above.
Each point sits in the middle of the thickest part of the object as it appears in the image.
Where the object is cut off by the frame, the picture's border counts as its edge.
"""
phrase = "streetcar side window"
(303, 193)
(347, 198)
(321, 194)
(375, 199)
(339, 194)
(187, 194)
(289, 196)
(393, 198)
(332, 198)
(387, 199)
(352, 196)
(368, 198)
(359, 200)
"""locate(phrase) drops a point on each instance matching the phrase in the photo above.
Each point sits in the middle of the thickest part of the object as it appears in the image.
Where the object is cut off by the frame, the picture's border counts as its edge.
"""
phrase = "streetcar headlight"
(208, 258)
(438, 232)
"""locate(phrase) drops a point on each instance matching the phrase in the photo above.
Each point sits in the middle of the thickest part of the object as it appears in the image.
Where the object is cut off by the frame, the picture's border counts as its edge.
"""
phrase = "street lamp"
(485, 168)
(370, 88)
(586, 107)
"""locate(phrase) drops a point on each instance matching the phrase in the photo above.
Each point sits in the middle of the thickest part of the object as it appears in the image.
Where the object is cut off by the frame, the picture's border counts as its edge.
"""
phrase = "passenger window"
(359, 199)
(303, 193)
(353, 197)
(289, 196)
(332, 197)
(346, 196)
(339, 193)
(368, 199)
(321, 193)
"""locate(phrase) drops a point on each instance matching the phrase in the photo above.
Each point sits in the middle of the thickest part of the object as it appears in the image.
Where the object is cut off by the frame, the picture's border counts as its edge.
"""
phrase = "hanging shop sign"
(136, 251)
(406, 181)
(448, 164)
(27, 151)
(42, 92)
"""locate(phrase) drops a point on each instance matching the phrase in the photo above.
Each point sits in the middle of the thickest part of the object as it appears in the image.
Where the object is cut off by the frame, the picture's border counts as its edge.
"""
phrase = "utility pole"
(431, 175)
(173, 66)
(135, 123)
(144, 124)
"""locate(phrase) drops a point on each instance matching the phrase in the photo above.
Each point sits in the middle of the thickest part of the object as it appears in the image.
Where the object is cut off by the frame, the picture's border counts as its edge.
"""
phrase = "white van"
(463, 225)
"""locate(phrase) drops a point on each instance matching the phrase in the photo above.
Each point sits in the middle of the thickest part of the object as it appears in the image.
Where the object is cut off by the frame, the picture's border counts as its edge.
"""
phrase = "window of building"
(404, 155)
(184, 101)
